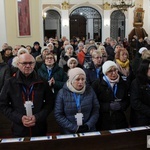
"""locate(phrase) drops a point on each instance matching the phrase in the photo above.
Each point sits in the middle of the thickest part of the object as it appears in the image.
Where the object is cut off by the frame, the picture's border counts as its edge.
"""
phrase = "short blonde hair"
(117, 55)
(95, 53)
(146, 54)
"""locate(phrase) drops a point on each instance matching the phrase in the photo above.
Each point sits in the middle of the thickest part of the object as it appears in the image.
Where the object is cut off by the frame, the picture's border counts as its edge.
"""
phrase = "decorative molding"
(106, 6)
(51, 6)
(65, 5)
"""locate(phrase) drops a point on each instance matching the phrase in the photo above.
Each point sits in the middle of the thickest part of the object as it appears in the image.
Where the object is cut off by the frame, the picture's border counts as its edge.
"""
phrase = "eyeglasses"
(104, 56)
(16, 48)
(27, 63)
(112, 70)
(97, 57)
(47, 58)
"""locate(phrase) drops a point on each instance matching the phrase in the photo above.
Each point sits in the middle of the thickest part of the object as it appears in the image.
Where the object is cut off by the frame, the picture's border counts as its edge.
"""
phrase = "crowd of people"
(87, 86)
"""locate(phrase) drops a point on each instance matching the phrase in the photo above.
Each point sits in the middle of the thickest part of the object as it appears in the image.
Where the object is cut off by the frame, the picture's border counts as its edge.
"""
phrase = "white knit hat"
(71, 59)
(72, 73)
(108, 65)
(142, 49)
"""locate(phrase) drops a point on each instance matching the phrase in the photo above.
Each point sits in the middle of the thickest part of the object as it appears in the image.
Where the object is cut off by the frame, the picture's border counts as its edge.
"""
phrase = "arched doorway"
(77, 26)
(117, 25)
(52, 24)
(87, 22)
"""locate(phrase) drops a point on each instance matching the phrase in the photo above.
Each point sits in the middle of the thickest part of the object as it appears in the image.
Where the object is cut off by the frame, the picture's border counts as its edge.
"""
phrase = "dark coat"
(129, 78)
(140, 104)
(110, 52)
(91, 74)
(111, 119)
(12, 99)
(58, 74)
(63, 61)
(66, 109)
(4, 74)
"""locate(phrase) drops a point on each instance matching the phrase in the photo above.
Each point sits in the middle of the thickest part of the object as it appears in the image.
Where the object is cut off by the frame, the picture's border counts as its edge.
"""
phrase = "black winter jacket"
(12, 99)
(111, 119)
(140, 104)
(4, 74)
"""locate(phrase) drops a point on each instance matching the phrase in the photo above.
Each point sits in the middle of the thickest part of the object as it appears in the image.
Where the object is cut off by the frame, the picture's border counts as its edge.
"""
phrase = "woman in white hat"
(76, 106)
(111, 91)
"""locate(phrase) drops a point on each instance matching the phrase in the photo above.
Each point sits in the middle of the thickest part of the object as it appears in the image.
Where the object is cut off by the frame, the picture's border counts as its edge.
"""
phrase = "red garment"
(81, 57)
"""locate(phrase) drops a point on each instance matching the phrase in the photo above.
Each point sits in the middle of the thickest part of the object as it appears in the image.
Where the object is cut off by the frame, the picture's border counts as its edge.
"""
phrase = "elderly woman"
(140, 96)
(124, 67)
(72, 63)
(111, 92)
(69, 52)
(104, 53)
(76, 107)
(40, 58)
(51, 72)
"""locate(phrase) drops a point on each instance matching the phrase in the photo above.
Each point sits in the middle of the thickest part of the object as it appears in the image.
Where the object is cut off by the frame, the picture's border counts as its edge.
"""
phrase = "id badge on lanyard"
(79, 115)
(28, 104)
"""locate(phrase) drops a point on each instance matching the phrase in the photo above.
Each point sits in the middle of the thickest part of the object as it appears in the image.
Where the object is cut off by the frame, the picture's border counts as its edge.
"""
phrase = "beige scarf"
(72, 89)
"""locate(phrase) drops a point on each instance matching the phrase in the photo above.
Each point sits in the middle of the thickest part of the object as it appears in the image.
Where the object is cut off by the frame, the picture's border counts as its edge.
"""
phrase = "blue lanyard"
(114, 89)
(49, 73)
(97, 72)
(27, 92)
(77, 100)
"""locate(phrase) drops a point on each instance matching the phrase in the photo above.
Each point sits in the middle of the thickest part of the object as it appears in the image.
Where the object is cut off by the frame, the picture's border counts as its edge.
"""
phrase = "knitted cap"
(71, 59)
(91, 47)
(142, 49)
(107, 66)
(8, 48)
(67, 47)
(73, 73)
(44, 48)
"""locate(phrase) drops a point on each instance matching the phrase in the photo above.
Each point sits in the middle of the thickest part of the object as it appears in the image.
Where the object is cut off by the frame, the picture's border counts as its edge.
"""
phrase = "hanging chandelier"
(122, 5)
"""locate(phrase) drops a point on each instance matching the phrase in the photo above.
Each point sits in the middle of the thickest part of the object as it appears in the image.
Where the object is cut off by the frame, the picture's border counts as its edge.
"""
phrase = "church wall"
(12, 24)
(9, 27)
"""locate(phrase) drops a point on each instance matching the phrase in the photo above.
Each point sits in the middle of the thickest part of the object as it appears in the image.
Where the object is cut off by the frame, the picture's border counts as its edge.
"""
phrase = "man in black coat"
(26, 100)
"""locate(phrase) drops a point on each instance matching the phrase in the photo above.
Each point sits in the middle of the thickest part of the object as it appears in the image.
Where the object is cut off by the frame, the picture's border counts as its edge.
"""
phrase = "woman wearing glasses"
(111, 92)
(51, 72)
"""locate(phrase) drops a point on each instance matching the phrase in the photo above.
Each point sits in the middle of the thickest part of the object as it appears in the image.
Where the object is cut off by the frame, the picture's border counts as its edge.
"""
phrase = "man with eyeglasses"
(26, 100)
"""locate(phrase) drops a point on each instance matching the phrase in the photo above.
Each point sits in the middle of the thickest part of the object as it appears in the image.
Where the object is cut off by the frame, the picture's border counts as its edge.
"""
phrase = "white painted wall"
(3, 34)
(7, 22)
(106, 25)
(65, 24)
(90, 28)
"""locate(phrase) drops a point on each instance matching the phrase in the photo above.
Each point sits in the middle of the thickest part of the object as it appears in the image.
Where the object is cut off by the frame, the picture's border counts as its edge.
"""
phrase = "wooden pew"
(5, 126)
(133, 140)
